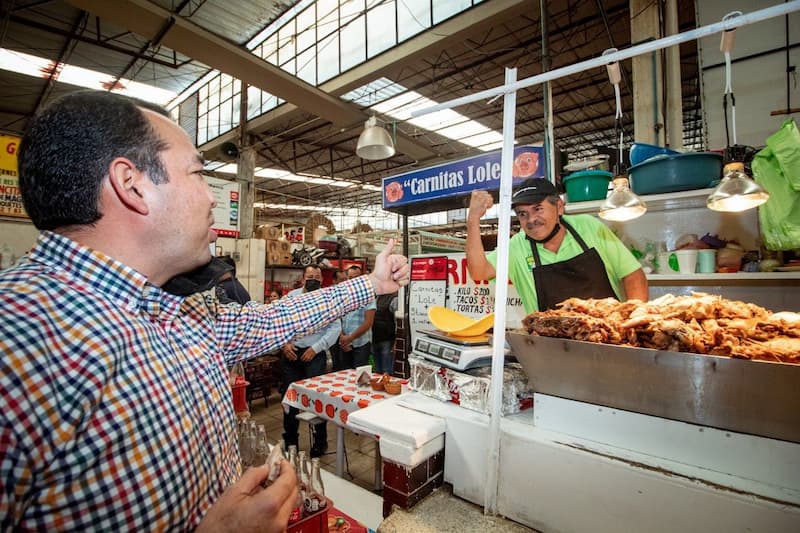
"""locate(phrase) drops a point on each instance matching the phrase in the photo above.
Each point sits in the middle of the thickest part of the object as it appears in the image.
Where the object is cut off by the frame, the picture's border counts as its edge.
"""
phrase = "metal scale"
(458, 353)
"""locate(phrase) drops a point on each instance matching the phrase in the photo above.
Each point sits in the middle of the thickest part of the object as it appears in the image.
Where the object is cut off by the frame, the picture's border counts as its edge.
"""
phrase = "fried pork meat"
(699, 323)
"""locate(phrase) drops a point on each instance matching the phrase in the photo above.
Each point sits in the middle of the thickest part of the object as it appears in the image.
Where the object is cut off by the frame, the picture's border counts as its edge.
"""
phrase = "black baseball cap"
(533, 191)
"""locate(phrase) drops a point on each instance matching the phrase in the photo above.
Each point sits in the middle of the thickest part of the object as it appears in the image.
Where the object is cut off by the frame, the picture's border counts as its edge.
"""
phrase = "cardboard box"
(279, 252)
(267, 232)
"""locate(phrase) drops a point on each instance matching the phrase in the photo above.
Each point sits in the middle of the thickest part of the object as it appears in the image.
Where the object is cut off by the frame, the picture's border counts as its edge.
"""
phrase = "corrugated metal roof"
(238, 21)
(472, 58)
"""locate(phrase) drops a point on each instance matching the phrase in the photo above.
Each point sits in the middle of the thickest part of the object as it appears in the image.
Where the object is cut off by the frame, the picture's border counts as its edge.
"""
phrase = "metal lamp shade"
(374, 142)
(736, 193)
(622, 204)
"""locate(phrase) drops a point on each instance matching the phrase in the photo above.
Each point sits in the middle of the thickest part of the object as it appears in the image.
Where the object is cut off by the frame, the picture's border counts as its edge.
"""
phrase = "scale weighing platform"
(458, 353)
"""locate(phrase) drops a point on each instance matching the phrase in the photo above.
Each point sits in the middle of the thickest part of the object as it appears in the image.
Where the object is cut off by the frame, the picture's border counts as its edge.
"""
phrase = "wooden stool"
(262, 373)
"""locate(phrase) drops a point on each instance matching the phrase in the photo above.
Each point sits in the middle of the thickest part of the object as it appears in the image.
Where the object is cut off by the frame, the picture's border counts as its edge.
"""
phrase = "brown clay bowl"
(393, 387)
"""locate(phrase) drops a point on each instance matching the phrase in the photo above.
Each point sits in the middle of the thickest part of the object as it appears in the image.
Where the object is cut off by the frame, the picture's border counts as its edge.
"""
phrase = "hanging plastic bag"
(777, 169)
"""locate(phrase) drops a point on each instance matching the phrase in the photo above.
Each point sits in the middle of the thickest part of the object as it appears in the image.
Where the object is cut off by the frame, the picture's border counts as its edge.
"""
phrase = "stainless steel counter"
(755, 397)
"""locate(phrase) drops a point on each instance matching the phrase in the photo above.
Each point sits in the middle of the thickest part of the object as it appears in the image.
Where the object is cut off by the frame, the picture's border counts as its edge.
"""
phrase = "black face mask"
(556, 228)
(312, 285)
(198, 280)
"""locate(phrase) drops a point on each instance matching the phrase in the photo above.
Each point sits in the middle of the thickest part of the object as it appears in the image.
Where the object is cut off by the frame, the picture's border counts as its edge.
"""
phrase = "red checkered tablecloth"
(334, 396)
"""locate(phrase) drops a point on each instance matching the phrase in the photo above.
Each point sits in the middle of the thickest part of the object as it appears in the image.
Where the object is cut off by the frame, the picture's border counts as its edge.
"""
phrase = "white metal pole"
(500, 296)
(547, 99)
(651, 46)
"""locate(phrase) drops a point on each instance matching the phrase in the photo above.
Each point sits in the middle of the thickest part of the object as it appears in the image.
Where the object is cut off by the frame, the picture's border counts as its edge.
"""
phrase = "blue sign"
(481, 172)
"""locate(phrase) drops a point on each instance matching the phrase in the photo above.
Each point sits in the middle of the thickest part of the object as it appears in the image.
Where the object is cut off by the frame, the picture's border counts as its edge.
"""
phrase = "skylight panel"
(274, 173)
(230, 168)
(374, 92)
(462, 130)
(40, 67)
(447, 123)
(482, 139)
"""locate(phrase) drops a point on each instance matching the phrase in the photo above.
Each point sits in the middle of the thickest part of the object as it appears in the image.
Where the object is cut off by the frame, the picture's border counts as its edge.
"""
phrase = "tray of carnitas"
(698, 358)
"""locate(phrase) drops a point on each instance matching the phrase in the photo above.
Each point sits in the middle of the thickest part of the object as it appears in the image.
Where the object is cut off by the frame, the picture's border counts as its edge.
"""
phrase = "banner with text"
(10, 197)
(481, 172)
(226, 213)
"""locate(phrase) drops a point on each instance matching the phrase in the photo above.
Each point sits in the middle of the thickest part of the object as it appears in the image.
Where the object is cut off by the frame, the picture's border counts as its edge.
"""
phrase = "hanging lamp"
(374, 142)
(736, 192)
(622, 204)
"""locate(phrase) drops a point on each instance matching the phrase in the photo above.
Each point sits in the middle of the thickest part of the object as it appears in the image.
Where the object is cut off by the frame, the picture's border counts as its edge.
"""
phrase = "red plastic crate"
(313, 523)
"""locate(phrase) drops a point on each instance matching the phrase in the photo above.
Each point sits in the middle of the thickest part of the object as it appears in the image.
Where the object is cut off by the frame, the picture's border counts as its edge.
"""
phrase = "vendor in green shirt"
(555, 256)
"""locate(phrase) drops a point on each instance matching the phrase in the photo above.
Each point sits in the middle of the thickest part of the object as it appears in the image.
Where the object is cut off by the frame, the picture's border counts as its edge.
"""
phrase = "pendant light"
(736, 192)
(374, 142)
(622, 204)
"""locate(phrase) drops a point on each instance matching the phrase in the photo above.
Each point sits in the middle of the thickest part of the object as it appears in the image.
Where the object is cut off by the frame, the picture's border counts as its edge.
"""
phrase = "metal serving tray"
(755, 397)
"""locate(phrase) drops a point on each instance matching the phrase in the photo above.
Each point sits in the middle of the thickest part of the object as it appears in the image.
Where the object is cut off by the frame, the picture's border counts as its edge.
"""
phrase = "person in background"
(274, 296)
(115, 406)
(356, 337)
(305, 357)
(383, 333)
(233, 289)
(339, 276)
(555, 256)
(337, 359)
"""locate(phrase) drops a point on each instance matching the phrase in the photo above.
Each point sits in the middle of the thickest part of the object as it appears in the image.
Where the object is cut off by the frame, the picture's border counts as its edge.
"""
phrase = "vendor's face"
(538, 220)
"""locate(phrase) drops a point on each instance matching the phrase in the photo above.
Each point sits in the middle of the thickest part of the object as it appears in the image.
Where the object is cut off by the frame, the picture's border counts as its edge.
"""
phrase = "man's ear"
(128, 183)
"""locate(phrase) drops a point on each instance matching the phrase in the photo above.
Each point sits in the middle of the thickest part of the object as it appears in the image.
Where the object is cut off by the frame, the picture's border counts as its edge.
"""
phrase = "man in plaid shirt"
(115, 409)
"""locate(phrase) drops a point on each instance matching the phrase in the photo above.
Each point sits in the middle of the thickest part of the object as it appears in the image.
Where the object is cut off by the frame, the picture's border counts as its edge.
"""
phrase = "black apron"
(583, 276)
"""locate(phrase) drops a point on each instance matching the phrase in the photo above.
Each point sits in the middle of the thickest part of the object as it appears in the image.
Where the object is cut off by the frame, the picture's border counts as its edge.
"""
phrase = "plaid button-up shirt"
(114, 398)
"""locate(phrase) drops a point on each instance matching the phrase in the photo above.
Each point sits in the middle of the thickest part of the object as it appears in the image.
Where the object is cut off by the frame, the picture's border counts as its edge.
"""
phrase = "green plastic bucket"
(586, 185)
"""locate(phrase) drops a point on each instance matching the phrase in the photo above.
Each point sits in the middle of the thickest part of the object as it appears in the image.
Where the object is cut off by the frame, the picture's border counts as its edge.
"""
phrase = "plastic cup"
(706, 261)
(663, 266)
(687, 261)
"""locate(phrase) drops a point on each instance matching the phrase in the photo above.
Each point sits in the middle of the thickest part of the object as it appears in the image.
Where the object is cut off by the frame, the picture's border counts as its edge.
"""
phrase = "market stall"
(706, 454)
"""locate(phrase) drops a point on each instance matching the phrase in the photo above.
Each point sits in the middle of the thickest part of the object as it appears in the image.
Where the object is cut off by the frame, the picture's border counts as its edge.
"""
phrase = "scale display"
(459, 354)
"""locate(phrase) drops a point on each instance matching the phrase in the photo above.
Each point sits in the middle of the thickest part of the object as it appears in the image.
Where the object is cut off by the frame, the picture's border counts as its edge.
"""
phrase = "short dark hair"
(312, 266)
(67, 150)
(354, 267)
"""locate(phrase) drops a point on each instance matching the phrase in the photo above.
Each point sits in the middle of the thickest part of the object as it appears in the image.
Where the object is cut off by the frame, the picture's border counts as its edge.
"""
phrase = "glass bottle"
(261, 446)
(316, 479)
(302, 477)
(236, 374)
(293, 456)
(245, 448)
(309, 505)
(297, 511)
(252, 441)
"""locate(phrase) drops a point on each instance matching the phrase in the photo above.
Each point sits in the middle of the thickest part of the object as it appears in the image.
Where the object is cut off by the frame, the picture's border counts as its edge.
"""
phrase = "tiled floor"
(360, 449)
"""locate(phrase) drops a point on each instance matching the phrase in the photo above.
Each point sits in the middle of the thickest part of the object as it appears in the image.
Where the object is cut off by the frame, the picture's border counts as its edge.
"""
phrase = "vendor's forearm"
(636, 287)
(477, 264)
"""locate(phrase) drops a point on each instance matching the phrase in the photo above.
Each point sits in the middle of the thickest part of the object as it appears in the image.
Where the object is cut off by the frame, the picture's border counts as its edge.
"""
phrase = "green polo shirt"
(618, 260)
